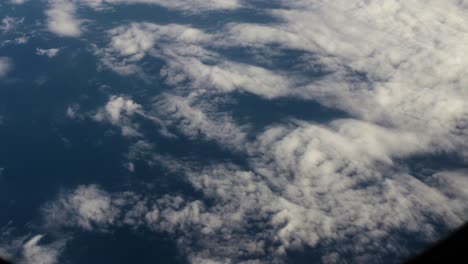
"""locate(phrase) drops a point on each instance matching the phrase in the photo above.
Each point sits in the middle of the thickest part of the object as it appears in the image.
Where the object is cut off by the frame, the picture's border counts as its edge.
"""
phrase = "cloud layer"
(341, 188)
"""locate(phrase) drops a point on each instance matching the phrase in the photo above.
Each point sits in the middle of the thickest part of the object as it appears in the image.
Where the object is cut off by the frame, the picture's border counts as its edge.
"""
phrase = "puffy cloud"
(47, 52)
(87, 207)
(5, 66)
(401, 76)
(334, 188)
(116, 111)
(384, 65)
(318, 186)
(62, 18)
(361, 219)
(117, 106)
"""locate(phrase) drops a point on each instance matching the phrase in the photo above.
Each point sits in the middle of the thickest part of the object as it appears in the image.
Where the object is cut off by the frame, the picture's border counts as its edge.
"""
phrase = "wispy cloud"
(9, 23)
(27, 249)
(184, 5)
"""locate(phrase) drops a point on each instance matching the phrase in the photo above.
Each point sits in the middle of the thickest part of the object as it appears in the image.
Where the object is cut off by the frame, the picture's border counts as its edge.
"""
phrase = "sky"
(231, 131)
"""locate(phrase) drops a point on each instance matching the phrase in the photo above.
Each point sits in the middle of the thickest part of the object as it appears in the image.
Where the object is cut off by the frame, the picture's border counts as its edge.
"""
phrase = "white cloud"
(47, 52)
(117, 111)
(407, 77)
(130, 44)
(397, 68)
(115, 107)
(27, 249)
(334, 188)
(197, 121)
(228, 76)
(87, 207)
(413, 72)
(62, 18)
(183, 5)
(361, 218)
(18, 2)
(40, 254)
(9, 23)
(5, 66)
(183, 49)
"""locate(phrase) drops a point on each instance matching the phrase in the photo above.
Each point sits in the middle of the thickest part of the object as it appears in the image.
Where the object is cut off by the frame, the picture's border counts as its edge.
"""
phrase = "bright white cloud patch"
(413, 73)
(115, 108)
(410, 78)
(62, 19)
(117, 111)
(87, 207)
(47, 52)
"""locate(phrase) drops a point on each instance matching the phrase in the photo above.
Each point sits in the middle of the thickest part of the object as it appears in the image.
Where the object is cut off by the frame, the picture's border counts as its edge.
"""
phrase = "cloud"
(184, 50)
(117, 111)
(18, 2)
(47, 52)
(115, 108)
(35, 253)
(86, 207)
(371, 72)
(183, 5)
(197, 121)
(409, 75)
(5, 66)
(61, 18)
(27, 249)
(9, 23)
(342, 187)
(316, 186)
(348, 218)
(130, 44)
(72, 111)
(334, 188)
